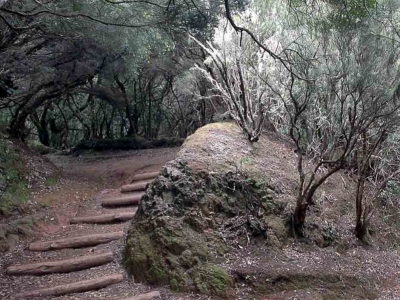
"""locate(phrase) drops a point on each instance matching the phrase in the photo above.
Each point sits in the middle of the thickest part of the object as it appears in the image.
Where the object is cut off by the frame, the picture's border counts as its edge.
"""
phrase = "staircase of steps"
(129, 198)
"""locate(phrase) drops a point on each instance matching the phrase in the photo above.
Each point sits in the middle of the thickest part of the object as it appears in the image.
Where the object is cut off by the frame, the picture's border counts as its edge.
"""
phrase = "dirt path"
(85, 256)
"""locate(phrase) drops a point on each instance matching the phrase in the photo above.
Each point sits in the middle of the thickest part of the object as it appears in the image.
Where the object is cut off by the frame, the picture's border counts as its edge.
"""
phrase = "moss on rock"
(176, 237)
(211, 279)
(190, 218)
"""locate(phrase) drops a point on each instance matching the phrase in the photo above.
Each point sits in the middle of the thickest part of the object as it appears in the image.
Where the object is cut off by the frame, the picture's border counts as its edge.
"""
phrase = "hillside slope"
(22, 172)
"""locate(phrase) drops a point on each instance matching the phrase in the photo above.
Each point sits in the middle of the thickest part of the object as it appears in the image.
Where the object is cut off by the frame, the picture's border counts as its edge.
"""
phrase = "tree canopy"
(324, 73)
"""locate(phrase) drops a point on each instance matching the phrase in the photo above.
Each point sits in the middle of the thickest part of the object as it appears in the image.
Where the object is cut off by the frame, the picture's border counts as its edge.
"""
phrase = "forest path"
(78, 254)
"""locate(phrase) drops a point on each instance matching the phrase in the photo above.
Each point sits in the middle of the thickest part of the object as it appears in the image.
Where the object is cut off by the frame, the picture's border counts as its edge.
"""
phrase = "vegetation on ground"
(13, 185)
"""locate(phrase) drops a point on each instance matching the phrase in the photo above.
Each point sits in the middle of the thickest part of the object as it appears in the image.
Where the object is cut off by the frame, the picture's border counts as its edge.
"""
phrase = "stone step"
(72, 288)
(104, 219)
(77, 242)
(135, 187)
(61, 266)
(133, 199)
(145, 176)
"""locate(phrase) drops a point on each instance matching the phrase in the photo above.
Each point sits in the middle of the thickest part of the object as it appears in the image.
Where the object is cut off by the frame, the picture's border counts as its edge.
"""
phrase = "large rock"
(204, 204)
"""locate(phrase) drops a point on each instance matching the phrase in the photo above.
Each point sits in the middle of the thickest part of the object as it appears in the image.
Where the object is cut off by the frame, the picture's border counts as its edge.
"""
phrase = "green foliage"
(16, 194)
(51, 181)
(351, 13)
(212, 280)
(341, 15)
(13, 188)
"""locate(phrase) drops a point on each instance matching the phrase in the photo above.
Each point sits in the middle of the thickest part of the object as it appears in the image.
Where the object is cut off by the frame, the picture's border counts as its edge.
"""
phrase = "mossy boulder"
(191, 217)
(211, 279)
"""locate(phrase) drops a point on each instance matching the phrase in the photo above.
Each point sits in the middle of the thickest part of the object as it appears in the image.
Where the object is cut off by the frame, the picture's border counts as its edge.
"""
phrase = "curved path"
(83, 259)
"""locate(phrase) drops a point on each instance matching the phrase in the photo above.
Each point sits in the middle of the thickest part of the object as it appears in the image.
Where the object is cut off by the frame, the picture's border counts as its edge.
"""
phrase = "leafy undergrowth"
(13, 185)
(217, 221)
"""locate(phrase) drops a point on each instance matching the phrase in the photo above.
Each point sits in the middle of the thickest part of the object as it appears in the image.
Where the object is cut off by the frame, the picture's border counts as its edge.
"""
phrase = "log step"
(147, 296)
(145, 176)
(104, 219)
(133, 199)
(62, 266)
(77, 242)
(77, 287)
(135, 187)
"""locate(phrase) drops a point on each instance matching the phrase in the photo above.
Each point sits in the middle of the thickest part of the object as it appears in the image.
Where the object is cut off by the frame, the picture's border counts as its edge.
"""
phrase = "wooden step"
(147, 296)
(135, 187)
(71, 288)
(145, 176)
(104, 219)
(77, 242)
(61, 266)
(133, 199)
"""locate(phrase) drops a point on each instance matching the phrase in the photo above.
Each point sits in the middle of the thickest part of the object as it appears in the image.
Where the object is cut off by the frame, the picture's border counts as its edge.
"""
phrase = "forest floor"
(87, 179)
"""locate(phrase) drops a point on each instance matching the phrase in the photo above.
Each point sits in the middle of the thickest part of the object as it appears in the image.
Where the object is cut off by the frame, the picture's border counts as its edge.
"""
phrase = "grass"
(51, 181)
(15, 195)
(13, 187)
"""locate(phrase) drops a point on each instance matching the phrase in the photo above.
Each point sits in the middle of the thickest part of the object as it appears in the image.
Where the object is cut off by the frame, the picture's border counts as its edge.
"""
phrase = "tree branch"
(76, 15)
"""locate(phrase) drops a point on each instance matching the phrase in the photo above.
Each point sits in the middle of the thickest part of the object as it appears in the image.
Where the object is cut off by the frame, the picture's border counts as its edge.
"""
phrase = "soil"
(297, 269)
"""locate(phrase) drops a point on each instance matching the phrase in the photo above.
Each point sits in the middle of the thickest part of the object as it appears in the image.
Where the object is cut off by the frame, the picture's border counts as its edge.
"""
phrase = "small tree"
(234, 73)
(338, 87)
(377, 165)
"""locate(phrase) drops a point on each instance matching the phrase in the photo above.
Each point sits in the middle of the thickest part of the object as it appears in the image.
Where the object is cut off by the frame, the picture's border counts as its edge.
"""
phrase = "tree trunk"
(128, 113)
(135, 187)
(42, 126)
(147, 296)
(78, 287)
(299, 218)
(133, 199)
(362, 232)
(145, 176)
(62, 266)
(135, 110)
(77, 242)
(149, 115)
(17, 125)
(104, 219)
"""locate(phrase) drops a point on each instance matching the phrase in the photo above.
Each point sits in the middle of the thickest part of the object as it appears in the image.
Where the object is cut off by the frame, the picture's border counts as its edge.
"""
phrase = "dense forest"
(324, 73)
(105, 69)
(252, 145)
